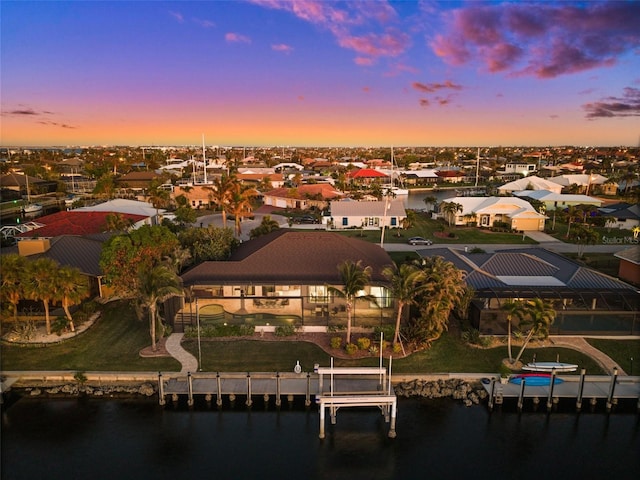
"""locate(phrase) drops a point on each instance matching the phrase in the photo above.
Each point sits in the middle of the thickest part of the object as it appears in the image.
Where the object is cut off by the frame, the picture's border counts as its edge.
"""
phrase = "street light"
(198, 326)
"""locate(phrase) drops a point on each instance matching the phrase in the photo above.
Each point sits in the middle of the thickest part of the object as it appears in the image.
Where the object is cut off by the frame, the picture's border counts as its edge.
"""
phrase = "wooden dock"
(331, 388)
(579, 387)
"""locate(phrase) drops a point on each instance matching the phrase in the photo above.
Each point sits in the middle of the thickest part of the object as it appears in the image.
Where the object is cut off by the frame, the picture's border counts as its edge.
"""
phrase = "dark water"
(121, 439)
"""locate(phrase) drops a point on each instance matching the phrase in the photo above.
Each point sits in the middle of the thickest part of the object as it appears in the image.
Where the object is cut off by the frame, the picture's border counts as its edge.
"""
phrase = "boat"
(549, 366)
(535, 379)
(391, 189)
(32, 208)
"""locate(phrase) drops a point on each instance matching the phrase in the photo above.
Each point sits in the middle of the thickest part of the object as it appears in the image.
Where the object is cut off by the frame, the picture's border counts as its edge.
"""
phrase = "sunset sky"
(320, 73)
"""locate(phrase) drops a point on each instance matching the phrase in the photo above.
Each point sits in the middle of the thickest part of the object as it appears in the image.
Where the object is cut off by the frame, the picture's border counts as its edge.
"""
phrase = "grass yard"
(621, 351)
(427, 228)
(112, 344)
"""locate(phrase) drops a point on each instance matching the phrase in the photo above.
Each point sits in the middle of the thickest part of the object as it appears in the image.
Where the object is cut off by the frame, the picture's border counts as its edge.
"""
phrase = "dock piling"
(612, 387)
(190, 389)
(580, 390)
(249, 401)
(161, 389)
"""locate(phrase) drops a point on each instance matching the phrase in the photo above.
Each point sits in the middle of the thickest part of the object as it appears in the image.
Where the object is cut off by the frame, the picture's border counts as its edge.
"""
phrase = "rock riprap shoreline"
(455, 388)
(145, 389)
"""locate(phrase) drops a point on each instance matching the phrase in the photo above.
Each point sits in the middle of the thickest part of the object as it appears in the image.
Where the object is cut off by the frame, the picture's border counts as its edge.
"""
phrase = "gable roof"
(74, 223)
(121, 205)
(536, 182)
(510, 206)
(304, 192)
(366, 173)
(295, 257)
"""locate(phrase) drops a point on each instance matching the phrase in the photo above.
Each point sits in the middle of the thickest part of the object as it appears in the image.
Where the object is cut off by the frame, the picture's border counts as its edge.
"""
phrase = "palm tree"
(240, 204)
(444, 290)
(572, 214)
(539, 317)
(513, 308)
(72, 286)
(584, 235)
(43, 284)
(221, 193)
(430, 202)
(13, 280)
(354, 278)
(406, 283)
(157, 285)
(267, 225)
(450, 209)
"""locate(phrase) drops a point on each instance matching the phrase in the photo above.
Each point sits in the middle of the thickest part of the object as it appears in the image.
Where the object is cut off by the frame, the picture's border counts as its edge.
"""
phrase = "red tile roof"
(74, 223)
(366, 173)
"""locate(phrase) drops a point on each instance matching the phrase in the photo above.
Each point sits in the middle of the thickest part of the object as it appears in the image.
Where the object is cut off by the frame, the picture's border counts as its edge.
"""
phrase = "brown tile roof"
(305, 191)
(303, 258)
(74, 223)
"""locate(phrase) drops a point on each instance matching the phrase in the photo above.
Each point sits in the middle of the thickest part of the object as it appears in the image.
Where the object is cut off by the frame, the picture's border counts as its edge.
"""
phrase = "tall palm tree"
(220, 195)
(572, 214)
(450, 209)
(43, 284)
(72, 287)
(354, 279)
(539, 317)
(240, 204)
(406, 282)
(157, 285)
(430, 201)
(13, 280)
(513, 308)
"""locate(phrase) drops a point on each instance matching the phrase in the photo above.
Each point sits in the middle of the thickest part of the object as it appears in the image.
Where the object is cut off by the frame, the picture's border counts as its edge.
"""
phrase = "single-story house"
(420, 177)
(529, 183)
(485, 211)
(283, 278)
(629, 268)
(137, 180)
(368, 215)
(124, 206)
(77, 222)
(316, 195)
(561, 201)
(586, 182)
(625, 216)
(585, 301)
(366, 176)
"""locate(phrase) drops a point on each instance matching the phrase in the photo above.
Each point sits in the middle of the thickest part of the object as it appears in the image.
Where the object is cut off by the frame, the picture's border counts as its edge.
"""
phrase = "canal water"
(135, 438)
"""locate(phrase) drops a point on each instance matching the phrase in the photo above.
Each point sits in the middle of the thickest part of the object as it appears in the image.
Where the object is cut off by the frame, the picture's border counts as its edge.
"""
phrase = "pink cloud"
(281, 47)
(236, 38)
(434, 87)
(355, 25)
(177, 15)
(542, 39)
(626, 106)
(364, 61)
(204, 23)
(366, 89)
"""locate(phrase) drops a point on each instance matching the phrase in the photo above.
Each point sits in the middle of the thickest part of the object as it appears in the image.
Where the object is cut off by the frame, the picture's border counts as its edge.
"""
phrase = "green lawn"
(448, 354)
(112, 344)
(426, 227)
(621, 351)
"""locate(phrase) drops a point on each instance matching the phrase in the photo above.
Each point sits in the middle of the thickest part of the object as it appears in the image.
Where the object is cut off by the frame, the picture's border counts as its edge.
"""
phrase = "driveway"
(246, 225)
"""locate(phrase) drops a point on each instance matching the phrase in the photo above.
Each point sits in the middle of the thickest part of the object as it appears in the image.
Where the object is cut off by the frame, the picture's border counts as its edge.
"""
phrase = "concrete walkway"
(173, 346)
(581, 345)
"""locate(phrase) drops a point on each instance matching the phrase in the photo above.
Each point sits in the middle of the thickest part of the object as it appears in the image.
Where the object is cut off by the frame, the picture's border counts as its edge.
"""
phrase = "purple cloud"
(232, 37)
(542, 39)
(281, 47)
(434, 87)
(626, 106)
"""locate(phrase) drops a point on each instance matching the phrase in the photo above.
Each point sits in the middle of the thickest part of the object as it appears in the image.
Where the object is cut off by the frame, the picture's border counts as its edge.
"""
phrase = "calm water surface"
(109, 439)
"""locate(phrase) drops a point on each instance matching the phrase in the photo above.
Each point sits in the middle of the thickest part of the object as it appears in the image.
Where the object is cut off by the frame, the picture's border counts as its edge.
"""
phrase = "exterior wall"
(197, 195)
(370, 222)
(528, 224)
(629, 272)
(33, 246)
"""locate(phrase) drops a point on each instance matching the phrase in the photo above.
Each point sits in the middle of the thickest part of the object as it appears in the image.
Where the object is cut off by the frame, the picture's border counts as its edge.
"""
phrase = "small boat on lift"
(550, 366)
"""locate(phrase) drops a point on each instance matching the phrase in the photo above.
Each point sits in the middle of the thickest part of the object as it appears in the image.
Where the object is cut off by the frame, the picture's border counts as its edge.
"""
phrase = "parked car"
(419, 241)
(305, 219)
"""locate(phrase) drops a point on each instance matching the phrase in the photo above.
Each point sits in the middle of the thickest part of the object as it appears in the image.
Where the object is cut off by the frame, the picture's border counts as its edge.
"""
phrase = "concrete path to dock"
(173, 346)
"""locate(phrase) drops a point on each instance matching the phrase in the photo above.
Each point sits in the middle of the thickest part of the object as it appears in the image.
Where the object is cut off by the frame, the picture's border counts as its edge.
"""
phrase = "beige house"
(303, 197)
(368, 215)
(484, 211)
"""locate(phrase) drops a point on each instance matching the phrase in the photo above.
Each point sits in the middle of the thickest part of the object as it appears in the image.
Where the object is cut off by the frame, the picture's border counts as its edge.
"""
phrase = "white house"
(529, 183)
(585, 181)
(368, 215)
(553, 201)
(134, 207)
(484, 211)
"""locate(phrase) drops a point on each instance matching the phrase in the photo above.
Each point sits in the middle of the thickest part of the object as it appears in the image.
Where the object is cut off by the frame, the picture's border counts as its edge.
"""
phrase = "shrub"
(351, 348)
(397, 348)
(24, 331)
(336, 342)
(387, 331)
(220, 331)
(59, 325)
(335, 328)
(373, 350)
(80, 377)
(285, 330)
(363, 343)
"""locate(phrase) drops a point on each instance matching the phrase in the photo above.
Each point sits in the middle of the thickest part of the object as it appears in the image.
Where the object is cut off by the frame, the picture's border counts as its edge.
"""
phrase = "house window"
(318, 294)
(394, 221)
(382, 296)
(268, 290)
(345, 221)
